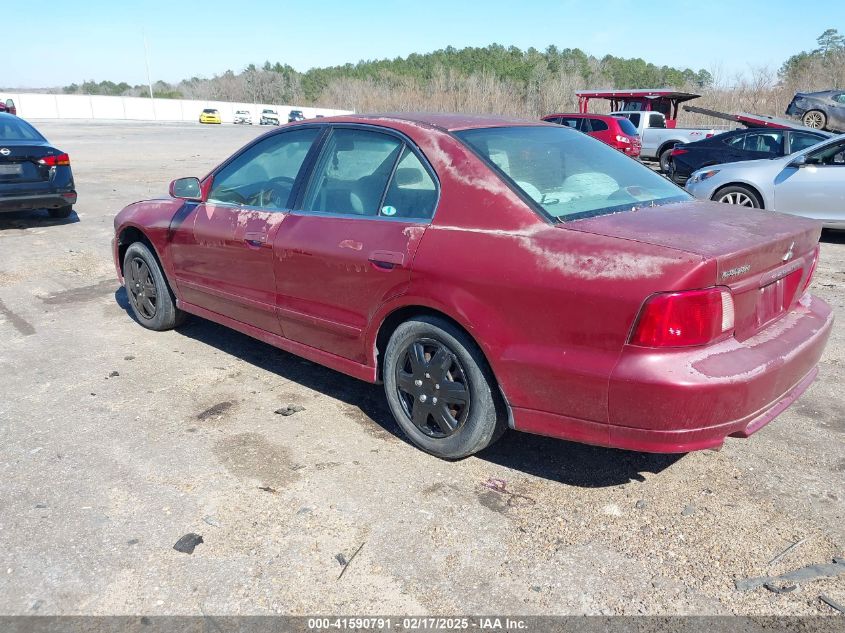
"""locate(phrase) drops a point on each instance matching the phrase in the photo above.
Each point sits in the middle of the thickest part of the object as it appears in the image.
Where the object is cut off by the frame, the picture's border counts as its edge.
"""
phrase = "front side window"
(770, 143)
(569, 176)
(634, 119)
(803, 140)
(352, 173)
(840, 98)
(263, 175)
(832, 154)
(570, 122)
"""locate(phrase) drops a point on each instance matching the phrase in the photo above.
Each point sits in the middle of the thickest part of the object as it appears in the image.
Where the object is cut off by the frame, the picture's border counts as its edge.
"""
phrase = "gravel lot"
(115, 441)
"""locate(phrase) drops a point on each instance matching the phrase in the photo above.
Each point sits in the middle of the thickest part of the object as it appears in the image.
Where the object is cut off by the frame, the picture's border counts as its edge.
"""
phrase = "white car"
(809, 183)
(269, 117)
(243, 116)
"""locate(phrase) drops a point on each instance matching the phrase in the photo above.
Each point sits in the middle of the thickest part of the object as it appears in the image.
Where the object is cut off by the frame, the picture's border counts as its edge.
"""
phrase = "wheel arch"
(131, 233)
(402, 313)
(746, 185)
(667, 145)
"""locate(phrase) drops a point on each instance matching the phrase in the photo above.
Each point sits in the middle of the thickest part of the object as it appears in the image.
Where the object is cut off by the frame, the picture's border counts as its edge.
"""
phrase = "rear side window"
(14, 129)
(412, 192)
(627, 127)
(352, 173)
(598, 125)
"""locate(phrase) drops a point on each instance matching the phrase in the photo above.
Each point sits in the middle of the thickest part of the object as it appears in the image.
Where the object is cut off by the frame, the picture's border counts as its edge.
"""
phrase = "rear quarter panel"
(551, 308)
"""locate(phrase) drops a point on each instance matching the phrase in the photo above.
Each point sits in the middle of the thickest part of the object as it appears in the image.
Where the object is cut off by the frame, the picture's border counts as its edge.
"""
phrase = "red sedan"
(491, 273)
(616, 131)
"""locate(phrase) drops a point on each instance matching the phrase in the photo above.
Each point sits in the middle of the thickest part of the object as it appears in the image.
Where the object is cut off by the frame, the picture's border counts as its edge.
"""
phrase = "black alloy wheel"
(433, 388)
(141, 288)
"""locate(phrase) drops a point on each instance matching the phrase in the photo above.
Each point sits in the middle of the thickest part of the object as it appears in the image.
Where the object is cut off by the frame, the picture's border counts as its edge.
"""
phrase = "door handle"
(256, 240)
(387, 260)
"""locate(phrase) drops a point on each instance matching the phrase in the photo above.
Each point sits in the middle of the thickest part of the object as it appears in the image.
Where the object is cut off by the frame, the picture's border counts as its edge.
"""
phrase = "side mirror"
(800, 161)
(186, 188)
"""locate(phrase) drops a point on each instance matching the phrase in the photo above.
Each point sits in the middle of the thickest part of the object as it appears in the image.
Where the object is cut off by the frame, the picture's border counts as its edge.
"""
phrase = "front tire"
(150, 297)
(740, 196)
(815, 119)
(440, 389)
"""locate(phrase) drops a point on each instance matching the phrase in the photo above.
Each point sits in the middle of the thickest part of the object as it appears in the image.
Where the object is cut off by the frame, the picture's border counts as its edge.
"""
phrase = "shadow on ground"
(833, 236)
(555, 460)
(23, 220)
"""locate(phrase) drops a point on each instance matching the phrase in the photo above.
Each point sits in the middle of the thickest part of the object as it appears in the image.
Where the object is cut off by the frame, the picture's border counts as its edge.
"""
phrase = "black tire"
(739, 195)
(815, 119)
(149, 294)
(664, 158)
(61, 212)
(477, 422)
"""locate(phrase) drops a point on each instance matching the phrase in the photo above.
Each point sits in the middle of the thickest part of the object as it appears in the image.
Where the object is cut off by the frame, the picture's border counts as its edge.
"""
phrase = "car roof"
(446, 122)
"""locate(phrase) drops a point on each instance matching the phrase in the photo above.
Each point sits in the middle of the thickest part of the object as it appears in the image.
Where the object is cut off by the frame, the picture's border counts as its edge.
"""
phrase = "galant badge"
(5, 151)
(788, 255)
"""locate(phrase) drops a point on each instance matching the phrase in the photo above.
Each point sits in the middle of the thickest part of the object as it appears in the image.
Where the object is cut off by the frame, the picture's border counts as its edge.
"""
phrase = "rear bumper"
(675, 401)
(47, 200)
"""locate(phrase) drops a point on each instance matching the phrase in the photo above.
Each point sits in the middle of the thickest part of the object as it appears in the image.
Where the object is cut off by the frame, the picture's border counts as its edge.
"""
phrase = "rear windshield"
(15, 129)
(627, 127)
(210, 111)
(568, 175)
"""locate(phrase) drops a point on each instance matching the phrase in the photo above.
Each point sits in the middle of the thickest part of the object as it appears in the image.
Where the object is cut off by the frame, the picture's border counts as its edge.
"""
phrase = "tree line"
(496, 79)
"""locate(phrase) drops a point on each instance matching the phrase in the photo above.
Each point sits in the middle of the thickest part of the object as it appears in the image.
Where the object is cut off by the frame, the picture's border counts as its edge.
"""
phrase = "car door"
(817, 188)
(348, 246)
(600, 130)
(223, 252)
(836, 112)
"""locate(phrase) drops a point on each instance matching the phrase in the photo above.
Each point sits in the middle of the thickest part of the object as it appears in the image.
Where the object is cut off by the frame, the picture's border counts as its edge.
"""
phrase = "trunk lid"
(765, 258)
(19, 163)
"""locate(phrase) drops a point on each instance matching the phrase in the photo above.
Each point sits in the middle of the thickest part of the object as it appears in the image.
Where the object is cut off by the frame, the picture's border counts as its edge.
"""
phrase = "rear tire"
(61, 212)
(149, 294)
(427, 359)
(815, 119)
(740, 196)
(665, 158)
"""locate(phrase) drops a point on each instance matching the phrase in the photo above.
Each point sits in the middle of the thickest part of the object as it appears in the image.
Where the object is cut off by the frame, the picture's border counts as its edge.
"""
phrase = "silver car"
(809, 183)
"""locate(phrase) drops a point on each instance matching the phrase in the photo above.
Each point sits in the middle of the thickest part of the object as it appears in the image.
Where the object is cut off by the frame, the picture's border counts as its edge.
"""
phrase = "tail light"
(55, 160)
(709, 135)
(683, 319)
(812, 270)
(622, 139)
(678, 152)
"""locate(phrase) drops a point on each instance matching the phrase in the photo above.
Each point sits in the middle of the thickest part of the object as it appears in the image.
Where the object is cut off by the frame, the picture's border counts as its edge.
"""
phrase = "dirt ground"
(116, 441)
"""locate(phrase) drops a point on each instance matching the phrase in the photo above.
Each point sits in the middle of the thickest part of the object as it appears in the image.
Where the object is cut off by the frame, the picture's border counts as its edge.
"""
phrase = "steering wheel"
(274, 194)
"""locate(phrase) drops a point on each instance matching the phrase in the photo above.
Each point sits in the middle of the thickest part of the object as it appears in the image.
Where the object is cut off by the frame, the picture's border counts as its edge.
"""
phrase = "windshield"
(14, 129)
(570, 175)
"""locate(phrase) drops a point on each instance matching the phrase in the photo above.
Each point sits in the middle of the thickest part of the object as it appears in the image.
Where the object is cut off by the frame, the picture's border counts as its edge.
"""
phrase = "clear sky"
(102, 39)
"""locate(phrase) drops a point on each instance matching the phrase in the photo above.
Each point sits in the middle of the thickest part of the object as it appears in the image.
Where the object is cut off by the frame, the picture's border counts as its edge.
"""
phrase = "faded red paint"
(550, 305)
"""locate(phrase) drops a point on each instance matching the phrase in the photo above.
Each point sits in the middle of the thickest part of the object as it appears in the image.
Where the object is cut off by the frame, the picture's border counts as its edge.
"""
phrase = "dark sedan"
(739, 145)
(33, 173)
(823, 110)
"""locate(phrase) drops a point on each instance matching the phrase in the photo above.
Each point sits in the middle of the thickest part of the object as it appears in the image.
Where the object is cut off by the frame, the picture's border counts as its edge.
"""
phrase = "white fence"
(46, 106)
